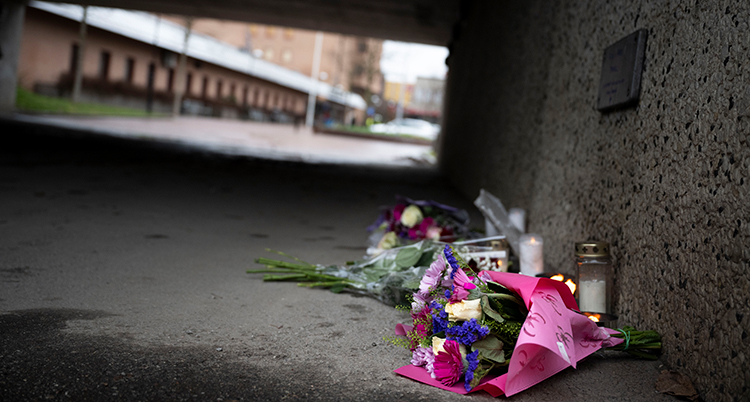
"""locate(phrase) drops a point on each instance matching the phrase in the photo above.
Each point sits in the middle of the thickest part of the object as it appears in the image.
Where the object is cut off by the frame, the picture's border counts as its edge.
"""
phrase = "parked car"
(415, 127)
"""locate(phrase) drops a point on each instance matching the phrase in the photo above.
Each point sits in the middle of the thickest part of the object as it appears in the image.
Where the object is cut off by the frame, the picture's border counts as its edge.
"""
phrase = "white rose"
(437, 346)
(411, 216)
(388, 241)
(464, 310)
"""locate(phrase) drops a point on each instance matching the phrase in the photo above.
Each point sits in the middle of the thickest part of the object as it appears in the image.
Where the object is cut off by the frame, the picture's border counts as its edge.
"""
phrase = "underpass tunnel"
(662, 176)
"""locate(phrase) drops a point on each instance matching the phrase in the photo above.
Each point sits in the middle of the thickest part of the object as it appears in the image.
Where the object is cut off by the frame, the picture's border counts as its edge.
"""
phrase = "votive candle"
(530, 254)
(592, 296)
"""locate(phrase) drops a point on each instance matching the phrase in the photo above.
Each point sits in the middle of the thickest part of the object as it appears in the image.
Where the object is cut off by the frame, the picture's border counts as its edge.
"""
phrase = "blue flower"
(473, 360)
(467, 333)
(451, 259)
(439, 317)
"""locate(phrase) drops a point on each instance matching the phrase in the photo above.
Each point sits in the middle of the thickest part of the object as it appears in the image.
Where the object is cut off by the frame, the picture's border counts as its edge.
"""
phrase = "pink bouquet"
(500, 332)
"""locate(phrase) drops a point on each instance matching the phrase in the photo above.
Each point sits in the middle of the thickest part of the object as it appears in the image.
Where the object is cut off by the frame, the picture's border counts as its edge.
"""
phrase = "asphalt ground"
(122, 277)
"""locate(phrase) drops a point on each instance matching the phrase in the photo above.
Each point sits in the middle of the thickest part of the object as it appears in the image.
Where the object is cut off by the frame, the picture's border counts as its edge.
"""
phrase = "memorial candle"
(530, 254)
(592, 296)
(594, 268)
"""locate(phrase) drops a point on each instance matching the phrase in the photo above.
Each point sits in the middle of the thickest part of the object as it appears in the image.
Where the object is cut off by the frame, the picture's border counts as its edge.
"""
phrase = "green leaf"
(487, 309)
(407, 257)
(337, 288)
(498, 288)
(490, 348)
(474, 294)
(425, 260)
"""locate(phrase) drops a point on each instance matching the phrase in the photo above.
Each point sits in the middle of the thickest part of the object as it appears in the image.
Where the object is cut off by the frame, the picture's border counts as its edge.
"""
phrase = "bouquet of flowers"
(411, 221)
(500, 332)
(390, 276)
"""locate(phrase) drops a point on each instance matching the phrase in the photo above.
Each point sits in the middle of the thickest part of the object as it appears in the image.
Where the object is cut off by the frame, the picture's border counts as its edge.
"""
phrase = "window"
(129, 70)
(170, 80)
(256, 97)
(270, 32)
(254, 30)
(73, 58)
(188, 83)
(268, 54)
(266, 100)
(358, 70)
(204, 87)
(104, 65)
(286, 56)
(233, 91)
(245, 91)
(219, 87)
(288, 33)
(362, 46)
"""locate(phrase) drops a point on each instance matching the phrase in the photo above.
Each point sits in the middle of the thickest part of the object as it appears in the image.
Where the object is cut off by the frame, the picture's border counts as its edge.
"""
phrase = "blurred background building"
(133, 59)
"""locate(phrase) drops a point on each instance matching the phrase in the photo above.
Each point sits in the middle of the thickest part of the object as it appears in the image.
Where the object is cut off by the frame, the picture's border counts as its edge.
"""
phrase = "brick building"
(131, 60)
(347, 62)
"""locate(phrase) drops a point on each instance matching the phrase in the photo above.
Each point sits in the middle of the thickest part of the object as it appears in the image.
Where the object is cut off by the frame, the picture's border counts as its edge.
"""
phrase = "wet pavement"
(122, 277)
(247, 138)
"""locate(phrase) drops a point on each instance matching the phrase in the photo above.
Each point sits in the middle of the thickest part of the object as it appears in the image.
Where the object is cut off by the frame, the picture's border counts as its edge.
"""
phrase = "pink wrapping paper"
(552, 338)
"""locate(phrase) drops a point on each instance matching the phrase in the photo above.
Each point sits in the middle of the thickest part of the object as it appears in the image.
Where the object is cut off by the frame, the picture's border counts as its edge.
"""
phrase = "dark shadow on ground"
(40, 361)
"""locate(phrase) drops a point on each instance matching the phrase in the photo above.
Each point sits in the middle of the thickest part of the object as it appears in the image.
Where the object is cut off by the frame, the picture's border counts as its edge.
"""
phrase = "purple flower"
(472, 359)
(439, 318)
(419, 302)
(467, 333)
(432, 277)
(424, 357)
(448, 251)
(461, 279)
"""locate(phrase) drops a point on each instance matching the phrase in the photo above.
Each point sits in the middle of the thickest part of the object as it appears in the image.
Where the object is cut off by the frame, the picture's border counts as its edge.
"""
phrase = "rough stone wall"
(666, 182)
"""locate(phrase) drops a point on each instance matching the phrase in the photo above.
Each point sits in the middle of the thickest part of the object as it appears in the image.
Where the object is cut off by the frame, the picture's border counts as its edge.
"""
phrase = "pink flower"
(419, 303)
(414, 233)
(461, 286)
(449, 365)
(459, 294)
(433, 233)
(432, 277)
(424, 357)
(426, 223)
(461, 279)
(397, 211)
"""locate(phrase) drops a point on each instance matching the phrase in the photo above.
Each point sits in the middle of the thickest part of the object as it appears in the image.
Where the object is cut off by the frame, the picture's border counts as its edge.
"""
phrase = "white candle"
(592, 296)
(530, 254)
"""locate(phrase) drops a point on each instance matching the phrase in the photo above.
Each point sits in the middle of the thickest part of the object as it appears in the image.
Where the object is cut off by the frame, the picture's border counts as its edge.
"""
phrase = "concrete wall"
(666, 182)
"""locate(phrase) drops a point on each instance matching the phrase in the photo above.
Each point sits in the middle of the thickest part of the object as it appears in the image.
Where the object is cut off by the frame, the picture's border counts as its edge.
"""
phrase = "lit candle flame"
(560, 277)
(593, 317)
(500, 263)
(571, 286)
(532, 240)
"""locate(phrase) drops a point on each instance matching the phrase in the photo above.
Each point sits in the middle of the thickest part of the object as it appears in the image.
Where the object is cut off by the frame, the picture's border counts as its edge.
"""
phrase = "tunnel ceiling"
(422, 21)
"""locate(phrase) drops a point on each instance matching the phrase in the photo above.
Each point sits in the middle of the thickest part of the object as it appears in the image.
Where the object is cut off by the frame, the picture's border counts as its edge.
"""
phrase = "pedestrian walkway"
(122, 277)
(246, 138)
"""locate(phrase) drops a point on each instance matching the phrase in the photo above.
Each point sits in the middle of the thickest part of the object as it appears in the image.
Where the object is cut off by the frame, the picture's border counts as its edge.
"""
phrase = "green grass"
(30, 102)
(366, 130)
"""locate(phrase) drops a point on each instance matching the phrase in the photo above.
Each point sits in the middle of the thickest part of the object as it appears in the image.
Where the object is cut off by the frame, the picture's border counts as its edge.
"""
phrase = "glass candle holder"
(595, 277)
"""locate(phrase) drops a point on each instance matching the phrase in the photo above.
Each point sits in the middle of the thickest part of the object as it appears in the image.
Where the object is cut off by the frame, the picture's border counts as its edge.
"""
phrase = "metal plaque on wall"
(622, 66)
